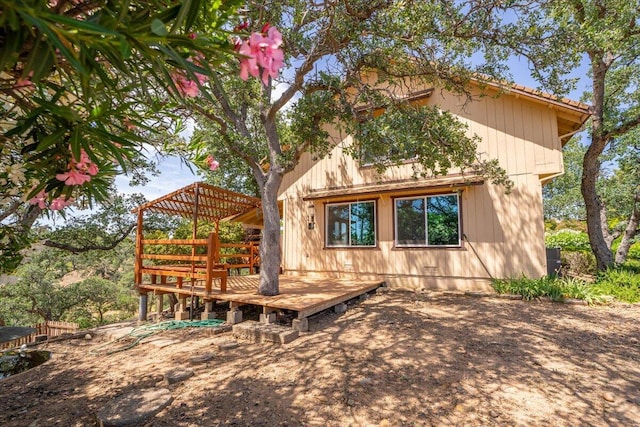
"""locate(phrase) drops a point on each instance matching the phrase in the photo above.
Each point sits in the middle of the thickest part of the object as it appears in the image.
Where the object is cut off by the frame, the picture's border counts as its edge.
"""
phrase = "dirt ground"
(399, 358)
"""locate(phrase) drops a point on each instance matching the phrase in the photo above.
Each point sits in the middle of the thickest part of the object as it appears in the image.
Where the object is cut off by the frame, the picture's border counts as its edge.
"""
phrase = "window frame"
(348, 245)
(424, 197)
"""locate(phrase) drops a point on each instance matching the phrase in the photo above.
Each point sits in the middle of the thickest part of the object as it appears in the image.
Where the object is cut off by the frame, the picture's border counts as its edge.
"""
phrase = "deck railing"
(241, 255)
(195, 267)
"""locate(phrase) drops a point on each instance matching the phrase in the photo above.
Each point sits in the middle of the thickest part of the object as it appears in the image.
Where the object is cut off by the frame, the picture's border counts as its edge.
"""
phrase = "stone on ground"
(134, 407)
(260, 332)
(227, 344)
(178, 375)
(201, 358)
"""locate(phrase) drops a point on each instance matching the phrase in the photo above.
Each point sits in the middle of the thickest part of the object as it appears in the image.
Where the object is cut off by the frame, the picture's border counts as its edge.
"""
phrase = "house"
(456, 232)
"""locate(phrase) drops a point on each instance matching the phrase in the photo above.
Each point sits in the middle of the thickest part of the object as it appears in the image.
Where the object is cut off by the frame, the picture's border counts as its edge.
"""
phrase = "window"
(351, 224)
(428, 221)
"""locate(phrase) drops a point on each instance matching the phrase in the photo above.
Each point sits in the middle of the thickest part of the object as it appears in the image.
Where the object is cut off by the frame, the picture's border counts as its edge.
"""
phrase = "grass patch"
(556, 289)
(622, 283)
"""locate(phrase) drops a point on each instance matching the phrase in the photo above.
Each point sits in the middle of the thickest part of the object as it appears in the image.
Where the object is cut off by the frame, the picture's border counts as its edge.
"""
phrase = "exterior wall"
(505, 232)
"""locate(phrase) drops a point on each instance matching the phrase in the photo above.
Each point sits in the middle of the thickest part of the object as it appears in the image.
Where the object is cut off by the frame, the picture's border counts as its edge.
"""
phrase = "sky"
(174, 174)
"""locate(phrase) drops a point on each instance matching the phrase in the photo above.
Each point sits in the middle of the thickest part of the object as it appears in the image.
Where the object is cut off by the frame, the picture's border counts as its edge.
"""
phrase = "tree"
(83, 86)
(621, 192)
(555, 37)
(38, 291)
(562, 197)
(98, 296)
(344, 61)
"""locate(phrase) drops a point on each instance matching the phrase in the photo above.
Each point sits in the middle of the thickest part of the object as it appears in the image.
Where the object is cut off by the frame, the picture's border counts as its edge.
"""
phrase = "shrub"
(568, 240)
(623, 283)
(556, 289)
(578, 263)
(632, 265)
(634, 251)
(577, 289)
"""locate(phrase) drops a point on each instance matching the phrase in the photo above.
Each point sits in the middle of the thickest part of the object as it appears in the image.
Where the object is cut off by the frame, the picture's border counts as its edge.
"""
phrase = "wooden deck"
(305, 295)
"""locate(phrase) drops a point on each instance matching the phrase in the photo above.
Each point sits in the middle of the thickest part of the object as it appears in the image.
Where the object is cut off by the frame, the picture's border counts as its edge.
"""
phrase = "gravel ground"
(398, 358)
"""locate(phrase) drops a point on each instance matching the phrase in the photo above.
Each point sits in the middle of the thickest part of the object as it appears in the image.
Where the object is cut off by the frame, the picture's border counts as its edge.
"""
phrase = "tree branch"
(251, 161)
(220, 95)
(13, 208)
(622, 129)
(93, 247)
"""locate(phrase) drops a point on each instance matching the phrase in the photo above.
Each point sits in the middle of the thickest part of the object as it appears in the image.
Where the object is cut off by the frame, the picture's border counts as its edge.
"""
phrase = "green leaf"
(54, 39)
(40, 61)
(10, 50)
(125, 48)
(52, 138)
(158, 28)
(84, 26)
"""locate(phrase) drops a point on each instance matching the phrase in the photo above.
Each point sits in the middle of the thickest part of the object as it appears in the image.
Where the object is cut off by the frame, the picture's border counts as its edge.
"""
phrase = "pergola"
(200, 201)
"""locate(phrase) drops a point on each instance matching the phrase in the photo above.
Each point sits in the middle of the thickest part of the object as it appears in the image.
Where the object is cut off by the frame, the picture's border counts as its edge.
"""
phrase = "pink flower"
(92, 169)
(59, 203)
(248, 65)
(212, 162)
(185, 86)
(39, 200)
(262, 52)
(84, 161)
(199, 60)
(73, 177)
(24, 83)
(80, 171)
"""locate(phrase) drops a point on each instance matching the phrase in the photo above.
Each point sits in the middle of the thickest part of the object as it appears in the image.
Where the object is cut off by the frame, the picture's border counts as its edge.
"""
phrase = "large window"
(428, 221)
(351, 224)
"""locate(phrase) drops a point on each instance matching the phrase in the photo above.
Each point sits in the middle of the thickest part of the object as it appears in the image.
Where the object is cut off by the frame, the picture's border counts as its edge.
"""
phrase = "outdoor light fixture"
(311, 216)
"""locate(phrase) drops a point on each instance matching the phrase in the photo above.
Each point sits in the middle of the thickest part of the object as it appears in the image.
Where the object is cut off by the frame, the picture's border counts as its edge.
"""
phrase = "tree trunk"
(630, 231)
(270, 253)
(597, 226)
(596, 219)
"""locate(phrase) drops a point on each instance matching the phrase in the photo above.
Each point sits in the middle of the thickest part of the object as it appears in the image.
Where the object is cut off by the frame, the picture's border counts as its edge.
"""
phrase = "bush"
(634, 250)
(632, 265)
(568, 240)
(556, 289)
(622, 283)
(578, 263)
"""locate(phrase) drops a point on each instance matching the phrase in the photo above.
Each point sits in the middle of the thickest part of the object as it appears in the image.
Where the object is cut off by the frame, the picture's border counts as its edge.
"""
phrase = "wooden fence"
(49, 328)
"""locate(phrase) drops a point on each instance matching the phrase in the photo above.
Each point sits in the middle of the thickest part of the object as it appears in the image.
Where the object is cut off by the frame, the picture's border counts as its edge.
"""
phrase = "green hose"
(145, 331)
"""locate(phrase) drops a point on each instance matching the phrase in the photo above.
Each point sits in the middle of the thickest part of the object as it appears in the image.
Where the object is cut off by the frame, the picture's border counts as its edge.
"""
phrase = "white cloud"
(174, 174)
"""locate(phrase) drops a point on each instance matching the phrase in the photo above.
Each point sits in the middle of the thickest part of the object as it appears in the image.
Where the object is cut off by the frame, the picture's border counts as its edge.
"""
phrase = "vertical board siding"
(506, 231)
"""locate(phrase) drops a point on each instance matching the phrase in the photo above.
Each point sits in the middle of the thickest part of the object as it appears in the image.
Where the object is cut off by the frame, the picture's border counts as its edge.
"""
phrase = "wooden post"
(143, 307)
(216, 248)
(160, 306)
(139, 251)
(252, 257)
(194, 234)
(211, 249)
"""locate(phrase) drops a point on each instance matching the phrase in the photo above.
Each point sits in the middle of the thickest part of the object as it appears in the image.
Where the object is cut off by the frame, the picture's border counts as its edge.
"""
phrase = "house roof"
(202, 201)
(571, 115)
(402, 187)
(253, 217)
